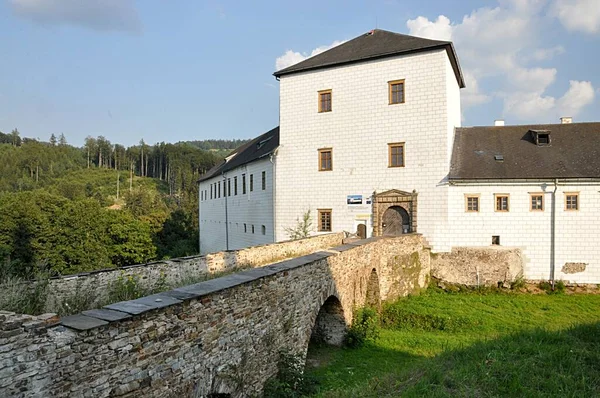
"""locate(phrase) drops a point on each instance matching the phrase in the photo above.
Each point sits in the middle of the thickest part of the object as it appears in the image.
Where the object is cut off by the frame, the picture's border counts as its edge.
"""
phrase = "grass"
(499, 344)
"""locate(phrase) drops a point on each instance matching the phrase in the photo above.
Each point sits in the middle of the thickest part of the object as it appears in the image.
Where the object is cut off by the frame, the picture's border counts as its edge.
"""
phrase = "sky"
(182, 70)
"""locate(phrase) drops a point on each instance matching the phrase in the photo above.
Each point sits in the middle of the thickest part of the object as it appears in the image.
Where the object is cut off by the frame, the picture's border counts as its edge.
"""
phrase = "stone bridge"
(219, 336)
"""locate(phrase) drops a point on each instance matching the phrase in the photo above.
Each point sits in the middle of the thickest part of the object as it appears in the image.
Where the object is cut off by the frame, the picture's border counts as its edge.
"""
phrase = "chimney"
(499, 122)
(566, 120)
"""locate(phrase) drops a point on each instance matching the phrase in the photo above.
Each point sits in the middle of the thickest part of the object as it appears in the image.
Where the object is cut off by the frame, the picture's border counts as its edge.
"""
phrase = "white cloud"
(579, 95)
(502, 45)
(542, 54)
(439, 29)
(532, 79)
(290, 57)
(106, 15)
(470, 95)
(578, 15)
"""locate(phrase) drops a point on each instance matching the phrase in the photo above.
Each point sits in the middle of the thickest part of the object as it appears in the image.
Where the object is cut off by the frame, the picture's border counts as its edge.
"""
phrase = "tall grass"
(472, 344)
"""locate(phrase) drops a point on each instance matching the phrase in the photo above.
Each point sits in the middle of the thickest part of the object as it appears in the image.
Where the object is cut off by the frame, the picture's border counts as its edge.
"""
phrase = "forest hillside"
(67, 209)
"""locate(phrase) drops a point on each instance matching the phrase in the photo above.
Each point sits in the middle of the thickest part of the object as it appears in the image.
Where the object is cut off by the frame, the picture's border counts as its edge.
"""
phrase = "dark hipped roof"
(256, 149)
(372, 45)
(574, 152)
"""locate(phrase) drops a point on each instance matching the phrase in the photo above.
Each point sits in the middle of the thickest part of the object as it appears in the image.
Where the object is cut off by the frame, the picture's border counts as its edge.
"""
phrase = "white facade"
(358, 129)
(249, 219)
(576, 231)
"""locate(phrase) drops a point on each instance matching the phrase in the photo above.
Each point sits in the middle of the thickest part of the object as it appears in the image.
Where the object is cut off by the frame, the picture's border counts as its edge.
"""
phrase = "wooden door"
(395, 221)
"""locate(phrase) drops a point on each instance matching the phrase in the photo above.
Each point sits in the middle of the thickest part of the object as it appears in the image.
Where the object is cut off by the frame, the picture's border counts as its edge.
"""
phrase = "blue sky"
(190, 69)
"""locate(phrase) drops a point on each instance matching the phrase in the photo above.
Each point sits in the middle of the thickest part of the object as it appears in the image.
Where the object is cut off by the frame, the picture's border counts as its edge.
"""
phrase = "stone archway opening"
(330, 326)
(396, 221)
(373, 299)
(394, 212)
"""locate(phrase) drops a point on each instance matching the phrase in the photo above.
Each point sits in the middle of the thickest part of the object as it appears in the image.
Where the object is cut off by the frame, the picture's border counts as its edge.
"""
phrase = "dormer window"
(540, 137)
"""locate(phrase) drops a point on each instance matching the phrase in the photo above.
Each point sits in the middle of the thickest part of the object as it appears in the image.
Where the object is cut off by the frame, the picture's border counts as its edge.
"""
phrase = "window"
(472, 203)
(235, 185)
(501, 202)
(252, 228)
(251, 182)
(229, 187)
(211, 191)
(324, 220)
(263, 229)
(325, 159)
(572, 201)
(243, 184)
(324, 101)
(245, 228)
(536, 201)
(496, 240)
(264, 180)
(219, 189)
(396, 92)
(396, 155)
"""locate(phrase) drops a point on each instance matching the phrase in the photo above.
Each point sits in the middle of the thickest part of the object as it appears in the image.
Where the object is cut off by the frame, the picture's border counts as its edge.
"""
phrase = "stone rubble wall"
(483, 266)
(218, 336)
(173, 271)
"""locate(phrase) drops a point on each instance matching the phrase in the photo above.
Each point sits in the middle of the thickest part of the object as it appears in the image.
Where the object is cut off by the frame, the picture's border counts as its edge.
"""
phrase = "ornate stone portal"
(394, 212)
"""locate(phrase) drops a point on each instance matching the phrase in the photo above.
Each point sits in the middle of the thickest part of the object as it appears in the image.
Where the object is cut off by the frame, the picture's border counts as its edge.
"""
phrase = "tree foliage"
(69, 209)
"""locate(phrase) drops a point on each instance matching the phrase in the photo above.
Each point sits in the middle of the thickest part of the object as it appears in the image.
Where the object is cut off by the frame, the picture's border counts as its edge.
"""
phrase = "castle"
(370, 141)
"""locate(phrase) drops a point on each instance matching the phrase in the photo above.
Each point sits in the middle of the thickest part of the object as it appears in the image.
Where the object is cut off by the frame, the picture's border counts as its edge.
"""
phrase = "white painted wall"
(577, 232)
(255, 208)
(359, 128)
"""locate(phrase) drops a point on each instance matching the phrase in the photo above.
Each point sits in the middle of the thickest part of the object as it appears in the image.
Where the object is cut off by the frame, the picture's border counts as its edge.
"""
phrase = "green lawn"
(472, 345)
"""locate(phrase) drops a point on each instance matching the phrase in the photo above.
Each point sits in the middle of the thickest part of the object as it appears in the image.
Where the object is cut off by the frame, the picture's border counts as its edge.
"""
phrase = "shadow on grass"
(537, 363)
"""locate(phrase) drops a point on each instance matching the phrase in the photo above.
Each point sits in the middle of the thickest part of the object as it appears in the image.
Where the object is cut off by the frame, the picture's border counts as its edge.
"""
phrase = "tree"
(53, 140)
(62, 140)
(302, 229)
(90, 147)
(16, 140)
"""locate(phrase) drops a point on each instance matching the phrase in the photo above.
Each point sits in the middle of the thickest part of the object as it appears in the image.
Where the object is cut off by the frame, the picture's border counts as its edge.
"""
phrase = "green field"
(472, 345)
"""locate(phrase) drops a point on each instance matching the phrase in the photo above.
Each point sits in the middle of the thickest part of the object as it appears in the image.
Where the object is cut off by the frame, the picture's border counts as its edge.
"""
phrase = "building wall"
(254, 208)
(359, 128)
(576, 231)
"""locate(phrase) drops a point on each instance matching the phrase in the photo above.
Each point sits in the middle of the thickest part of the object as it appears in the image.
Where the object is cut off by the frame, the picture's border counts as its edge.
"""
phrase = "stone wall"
(178, 270)
(218, 336)
(478, 266)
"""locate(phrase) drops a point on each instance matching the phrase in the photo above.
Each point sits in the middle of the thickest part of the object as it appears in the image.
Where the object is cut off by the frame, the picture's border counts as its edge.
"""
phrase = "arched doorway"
(395, 221)
(330, 326)
(361, 231)
(394, 212)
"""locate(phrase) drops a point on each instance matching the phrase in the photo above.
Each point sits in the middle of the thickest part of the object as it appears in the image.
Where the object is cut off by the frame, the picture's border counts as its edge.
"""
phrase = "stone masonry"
(218, 336)
(175, 270)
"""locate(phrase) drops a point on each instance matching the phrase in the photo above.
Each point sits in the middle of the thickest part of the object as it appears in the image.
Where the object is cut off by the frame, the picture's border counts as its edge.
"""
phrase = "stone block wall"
(174, 271)
(218, 336)
(478, 266)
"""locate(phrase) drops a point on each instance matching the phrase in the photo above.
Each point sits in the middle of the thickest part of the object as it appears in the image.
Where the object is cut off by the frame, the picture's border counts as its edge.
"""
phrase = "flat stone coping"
(127, 309)
(81, 322)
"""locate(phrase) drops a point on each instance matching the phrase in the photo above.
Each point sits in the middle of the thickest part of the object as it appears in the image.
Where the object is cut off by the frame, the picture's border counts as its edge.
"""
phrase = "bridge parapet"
(219, 336)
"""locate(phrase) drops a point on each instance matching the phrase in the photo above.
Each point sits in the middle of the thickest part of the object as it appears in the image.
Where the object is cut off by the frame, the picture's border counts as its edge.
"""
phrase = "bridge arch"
(330, 324)
(373, 295)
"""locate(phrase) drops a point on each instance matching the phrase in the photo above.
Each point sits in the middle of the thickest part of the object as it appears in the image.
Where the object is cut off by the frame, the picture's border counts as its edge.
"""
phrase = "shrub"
(559, 287)
(302, 228)
(126, 288)
(290, 382)
(24, 297)
(82, 298)
(518, 283)
(365, 327)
